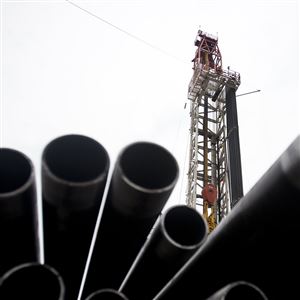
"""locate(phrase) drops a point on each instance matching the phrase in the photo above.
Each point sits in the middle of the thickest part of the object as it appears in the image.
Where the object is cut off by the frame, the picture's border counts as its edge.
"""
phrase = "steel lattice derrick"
(208, 161)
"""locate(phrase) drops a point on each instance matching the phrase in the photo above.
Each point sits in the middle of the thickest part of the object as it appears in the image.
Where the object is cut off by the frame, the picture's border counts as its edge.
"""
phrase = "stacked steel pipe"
(179, 233)
(141, 252)
(107, 294)
(32, 281)
(237, 291)
(74, 173)
(143, 179)
(18, 210)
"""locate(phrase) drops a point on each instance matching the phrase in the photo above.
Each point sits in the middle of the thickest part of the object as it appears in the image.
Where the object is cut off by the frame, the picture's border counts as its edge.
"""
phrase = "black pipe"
(258, 242)
(107, 294)
(235, 165)
(74, 172)
(180, 232)
(237, 291)
(32, 281)
(18, 210)
(143, 179)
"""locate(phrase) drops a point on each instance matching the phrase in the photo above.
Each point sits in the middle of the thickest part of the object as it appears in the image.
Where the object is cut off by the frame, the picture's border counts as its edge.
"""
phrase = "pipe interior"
(34, 282)
(76, 158)
(184, 226)
(107, 295)
(15, 170)
(149, 165)
(245, 292)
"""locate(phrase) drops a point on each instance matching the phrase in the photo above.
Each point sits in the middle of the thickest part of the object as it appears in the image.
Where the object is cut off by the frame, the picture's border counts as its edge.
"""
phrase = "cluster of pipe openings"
(106, 235)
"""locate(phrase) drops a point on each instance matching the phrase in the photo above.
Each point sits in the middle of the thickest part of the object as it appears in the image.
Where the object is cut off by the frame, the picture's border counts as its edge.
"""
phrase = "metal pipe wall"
(18, 210)
(32, 281)
(179, 233)
(143, 179)
(257, 242)
(74, 172)
(237, 291)
(107, 294)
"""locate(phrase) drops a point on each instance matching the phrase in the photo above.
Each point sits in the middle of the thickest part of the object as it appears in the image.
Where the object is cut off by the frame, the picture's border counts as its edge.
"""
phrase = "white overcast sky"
(64, 71)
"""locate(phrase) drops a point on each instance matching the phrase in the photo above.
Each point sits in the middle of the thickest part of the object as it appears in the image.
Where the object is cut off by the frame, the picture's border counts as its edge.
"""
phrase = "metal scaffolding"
(209, 174)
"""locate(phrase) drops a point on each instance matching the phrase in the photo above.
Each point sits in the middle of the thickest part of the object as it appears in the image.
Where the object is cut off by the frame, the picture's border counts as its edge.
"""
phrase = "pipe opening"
(107, 294)
(15, 170)
(184, 225)
(245, 292)
(76, 158)
(149, 165)
(32, 281)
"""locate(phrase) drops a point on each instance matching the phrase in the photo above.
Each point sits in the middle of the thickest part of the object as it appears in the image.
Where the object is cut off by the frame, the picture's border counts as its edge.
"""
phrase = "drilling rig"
(215, 173)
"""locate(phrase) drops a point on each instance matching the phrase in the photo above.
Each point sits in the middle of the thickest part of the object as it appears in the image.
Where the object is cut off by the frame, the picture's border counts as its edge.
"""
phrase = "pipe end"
(185, 227)
(32, 281)
(106, 294)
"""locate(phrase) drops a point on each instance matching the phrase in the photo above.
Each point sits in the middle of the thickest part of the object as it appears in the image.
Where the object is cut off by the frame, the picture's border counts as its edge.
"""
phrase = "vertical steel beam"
(235, 166)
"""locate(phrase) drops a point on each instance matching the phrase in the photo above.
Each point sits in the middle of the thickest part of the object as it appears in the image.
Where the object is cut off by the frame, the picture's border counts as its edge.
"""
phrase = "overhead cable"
(127, 32)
